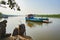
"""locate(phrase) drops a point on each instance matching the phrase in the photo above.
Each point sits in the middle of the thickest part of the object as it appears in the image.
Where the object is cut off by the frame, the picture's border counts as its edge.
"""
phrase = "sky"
(36, 7)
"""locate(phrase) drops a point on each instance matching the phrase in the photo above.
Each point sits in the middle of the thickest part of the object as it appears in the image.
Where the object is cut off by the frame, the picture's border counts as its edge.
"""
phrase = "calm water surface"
(38, 31)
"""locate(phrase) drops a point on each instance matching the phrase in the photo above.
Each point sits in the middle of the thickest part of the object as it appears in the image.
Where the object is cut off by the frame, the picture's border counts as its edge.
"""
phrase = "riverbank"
(0, 15)
(52, 15)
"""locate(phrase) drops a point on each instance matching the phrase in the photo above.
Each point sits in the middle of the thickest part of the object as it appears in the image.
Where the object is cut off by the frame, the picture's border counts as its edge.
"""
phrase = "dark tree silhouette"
(3, 2)
(11, 4)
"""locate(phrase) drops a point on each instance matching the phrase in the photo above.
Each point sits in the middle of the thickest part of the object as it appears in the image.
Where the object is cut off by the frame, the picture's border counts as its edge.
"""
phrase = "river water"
(38, 31)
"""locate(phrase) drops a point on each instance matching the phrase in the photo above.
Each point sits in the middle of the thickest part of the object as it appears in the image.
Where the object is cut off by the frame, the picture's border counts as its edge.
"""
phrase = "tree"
(11, 4)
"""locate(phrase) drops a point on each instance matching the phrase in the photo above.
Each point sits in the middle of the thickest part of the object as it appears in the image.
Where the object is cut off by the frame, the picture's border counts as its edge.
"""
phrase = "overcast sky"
(38, 6)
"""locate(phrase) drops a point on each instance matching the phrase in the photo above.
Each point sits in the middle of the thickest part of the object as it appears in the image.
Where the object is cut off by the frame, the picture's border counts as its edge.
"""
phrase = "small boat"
(37, 19)
(32, 18)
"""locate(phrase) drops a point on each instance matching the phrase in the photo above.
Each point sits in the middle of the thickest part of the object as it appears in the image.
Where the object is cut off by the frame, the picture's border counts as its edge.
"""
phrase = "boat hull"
(37, 19)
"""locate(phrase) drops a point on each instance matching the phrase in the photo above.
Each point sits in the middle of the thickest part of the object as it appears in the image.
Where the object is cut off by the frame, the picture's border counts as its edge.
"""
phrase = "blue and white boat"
(32, 18)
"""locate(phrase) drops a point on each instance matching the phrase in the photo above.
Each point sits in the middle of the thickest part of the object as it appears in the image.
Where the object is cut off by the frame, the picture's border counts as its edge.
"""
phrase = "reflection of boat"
(32, 18)
(32, 24)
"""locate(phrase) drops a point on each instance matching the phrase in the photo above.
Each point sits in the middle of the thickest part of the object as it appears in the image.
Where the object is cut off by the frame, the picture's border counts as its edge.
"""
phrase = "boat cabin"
(30, 16)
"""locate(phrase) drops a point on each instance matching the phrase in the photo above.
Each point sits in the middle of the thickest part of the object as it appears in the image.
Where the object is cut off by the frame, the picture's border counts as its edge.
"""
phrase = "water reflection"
(32, 24)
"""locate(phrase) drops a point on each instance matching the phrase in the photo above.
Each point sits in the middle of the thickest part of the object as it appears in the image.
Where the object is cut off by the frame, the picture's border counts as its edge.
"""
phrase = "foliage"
(53, 15)
(11, 4)
(3, 2)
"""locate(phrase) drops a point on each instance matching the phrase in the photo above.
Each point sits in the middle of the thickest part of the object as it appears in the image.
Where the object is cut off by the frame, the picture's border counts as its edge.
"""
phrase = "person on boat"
(30, 16)
(18, 33)
(20, 30)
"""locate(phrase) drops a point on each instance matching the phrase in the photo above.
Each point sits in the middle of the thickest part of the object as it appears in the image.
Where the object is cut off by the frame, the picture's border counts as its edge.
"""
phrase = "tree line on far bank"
(52, 15)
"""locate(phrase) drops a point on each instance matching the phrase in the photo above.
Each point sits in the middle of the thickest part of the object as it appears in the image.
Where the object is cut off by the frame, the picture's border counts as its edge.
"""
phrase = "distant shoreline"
(0, 15)
(52, 15)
